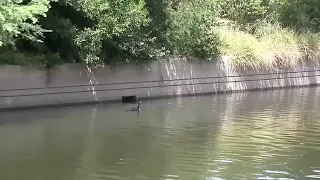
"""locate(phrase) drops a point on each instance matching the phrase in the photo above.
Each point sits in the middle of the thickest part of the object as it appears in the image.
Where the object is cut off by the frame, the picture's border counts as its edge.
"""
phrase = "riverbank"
(75, 83)
(270, 47)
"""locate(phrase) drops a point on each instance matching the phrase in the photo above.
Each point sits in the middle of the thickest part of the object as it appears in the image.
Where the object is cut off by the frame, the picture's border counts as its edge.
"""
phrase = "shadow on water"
(253, 135)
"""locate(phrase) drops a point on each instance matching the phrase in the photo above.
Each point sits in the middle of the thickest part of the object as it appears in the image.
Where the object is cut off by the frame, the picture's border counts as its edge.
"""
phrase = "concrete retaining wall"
(75, 83)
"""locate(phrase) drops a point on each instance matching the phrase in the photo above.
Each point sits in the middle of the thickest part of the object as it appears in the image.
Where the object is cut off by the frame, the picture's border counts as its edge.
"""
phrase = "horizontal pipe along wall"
(75, 84)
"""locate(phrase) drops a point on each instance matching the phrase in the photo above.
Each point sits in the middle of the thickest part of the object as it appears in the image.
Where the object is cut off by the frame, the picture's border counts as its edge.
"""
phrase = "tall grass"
(270, 46)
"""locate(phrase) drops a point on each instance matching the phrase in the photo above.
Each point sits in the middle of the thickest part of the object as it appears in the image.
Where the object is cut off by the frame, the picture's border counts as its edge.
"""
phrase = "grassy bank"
(270, 46)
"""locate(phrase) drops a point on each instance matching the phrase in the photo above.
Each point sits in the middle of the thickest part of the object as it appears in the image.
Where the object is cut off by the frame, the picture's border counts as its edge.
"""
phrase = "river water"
(256, 135)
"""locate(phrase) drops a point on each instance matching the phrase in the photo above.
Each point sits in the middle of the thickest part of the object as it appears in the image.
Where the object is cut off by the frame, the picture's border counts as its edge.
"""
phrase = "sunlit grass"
(270, 47)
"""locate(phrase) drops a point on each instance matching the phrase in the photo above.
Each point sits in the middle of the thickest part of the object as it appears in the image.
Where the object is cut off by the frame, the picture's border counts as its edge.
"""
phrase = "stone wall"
(76, 83)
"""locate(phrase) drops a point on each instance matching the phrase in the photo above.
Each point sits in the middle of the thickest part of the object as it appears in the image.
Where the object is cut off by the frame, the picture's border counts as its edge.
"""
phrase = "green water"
(260, 135)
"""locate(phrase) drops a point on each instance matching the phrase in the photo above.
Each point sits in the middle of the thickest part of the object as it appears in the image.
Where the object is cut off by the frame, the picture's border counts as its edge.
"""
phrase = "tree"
(117, 25)
(300, 14)
(20, 18)
(192, 28)
(242, 11)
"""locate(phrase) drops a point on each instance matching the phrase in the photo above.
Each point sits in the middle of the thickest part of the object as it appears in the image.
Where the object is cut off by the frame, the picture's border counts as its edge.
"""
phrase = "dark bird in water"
(137, 108)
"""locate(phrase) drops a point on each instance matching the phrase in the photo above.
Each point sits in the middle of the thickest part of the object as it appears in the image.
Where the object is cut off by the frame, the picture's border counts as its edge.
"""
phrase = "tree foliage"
(192, 28)
(242, 11)
(104, 31)
(20, 18)
(300, 14)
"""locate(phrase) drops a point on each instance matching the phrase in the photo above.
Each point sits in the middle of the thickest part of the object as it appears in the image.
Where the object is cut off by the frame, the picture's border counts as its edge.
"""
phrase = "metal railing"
(162, 83)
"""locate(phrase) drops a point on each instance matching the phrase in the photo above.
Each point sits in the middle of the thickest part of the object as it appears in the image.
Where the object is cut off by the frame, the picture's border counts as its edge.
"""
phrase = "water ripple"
(270, 135)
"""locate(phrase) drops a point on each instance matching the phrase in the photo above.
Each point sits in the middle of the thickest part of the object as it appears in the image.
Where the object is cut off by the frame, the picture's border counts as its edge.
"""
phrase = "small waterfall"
(180, 69)
(174, 75)
(92, 83)
(170, 78)
(194, 88)
(229, 70)
(299, 79)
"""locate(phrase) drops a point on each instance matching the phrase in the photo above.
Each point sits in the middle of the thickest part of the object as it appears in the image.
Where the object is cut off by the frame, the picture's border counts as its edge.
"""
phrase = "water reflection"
(260, 135)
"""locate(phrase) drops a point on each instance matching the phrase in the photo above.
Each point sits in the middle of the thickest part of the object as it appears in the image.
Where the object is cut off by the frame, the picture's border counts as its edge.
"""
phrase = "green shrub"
(192, 29)
(12, 57)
